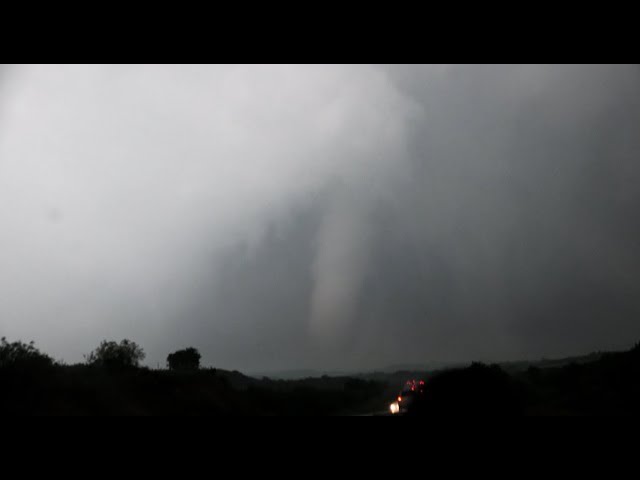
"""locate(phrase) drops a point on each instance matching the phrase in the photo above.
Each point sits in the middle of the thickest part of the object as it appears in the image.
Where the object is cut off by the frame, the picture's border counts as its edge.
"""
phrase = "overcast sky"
(330, 217)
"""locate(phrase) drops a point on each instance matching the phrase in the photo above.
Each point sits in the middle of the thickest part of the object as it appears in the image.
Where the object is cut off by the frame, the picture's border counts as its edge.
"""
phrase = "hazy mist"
(331, 217)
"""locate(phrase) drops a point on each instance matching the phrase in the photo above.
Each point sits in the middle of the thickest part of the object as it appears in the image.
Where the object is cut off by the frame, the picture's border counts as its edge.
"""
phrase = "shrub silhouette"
(187, 359)
(113, 355)
(475, 390)
(22, 355)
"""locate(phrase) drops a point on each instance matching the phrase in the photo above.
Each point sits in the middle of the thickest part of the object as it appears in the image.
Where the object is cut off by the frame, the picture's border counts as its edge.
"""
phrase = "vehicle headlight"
(394, 407)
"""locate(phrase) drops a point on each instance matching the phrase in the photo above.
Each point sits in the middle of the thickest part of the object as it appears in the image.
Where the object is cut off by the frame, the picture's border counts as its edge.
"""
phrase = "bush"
(22, 355)
(187, 359)
(476, 390)
(113, 355)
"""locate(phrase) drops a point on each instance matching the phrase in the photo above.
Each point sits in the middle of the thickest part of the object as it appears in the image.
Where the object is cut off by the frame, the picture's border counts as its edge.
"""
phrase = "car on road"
(410, 393)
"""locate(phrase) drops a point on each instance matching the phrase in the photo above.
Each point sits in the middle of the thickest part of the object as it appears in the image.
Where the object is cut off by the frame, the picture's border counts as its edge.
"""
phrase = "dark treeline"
(112, 382)
(606, 384)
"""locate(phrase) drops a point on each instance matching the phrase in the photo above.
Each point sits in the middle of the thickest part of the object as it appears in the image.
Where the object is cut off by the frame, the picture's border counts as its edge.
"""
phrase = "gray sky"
(336, 217)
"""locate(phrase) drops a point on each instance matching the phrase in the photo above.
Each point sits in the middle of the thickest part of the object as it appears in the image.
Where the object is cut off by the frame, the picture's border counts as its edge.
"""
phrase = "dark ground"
(599, 384)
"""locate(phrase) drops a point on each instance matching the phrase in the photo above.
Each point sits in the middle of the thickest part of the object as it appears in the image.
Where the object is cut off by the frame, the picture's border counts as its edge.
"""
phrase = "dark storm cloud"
(328, 217)
(120, 183)
(526, 186)
(511, 230)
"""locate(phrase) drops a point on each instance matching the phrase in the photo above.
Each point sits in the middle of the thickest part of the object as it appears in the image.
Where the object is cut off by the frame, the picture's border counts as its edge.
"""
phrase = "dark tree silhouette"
(476, 390)
(187, 359)
(22, 355)
(113, 355)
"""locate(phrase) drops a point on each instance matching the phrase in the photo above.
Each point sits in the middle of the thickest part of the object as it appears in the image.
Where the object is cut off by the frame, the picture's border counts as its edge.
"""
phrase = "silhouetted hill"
(86, 390)
(609, 385)
(520, 366)
(297, 374)
(597, 384)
